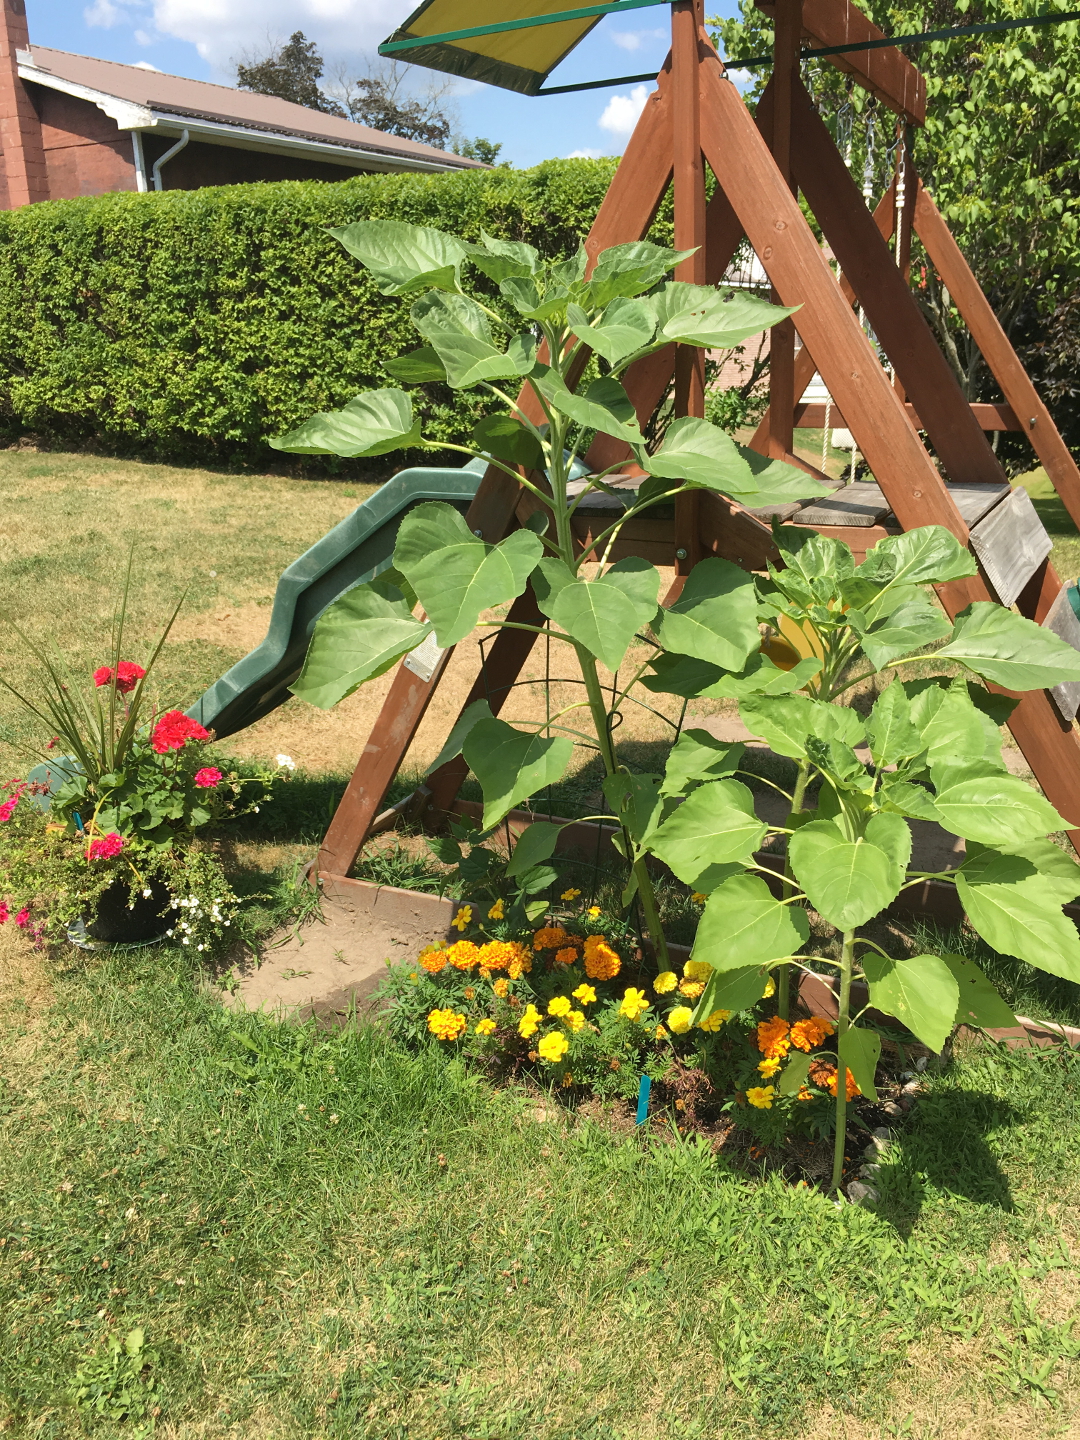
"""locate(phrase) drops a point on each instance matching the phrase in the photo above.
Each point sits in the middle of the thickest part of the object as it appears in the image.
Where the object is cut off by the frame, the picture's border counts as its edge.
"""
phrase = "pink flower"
(4, 912)
(7, 809)
(174, 730)
(22, 919)
(106, 847)
(128, 675)
(207, 779)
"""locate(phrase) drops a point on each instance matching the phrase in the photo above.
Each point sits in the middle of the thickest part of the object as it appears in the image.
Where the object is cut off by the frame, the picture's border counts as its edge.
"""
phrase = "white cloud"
(145, 65)
(740, 78)
(622, 111)
(222, 30)
(103, 14)
(634, 39)
(143, 37)
(584, 155)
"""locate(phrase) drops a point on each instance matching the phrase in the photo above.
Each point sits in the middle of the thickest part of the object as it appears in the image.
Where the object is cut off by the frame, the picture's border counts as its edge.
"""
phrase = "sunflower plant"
(624, 310)
(930, 748)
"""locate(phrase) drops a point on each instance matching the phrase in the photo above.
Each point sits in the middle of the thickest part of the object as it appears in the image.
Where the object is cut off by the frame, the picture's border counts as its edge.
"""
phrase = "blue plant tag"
(643, 1099)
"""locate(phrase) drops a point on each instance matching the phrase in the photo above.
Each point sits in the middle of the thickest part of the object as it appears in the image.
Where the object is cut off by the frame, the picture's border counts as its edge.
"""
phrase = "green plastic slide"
(351, 553)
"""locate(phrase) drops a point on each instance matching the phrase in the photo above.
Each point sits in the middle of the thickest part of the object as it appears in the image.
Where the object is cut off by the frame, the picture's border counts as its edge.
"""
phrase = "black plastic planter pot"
(125, 917)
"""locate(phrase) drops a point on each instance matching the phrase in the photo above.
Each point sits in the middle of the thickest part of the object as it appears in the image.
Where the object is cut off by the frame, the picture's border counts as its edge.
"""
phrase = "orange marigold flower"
(823, 1074)
(504, 955)
(804, 1093)
(433, 958)
(772, 1038)
(550, 936)
(464, 955)
(691, 988)
(501, 987)
(601, 961)
(567, 956)
(805, 1034)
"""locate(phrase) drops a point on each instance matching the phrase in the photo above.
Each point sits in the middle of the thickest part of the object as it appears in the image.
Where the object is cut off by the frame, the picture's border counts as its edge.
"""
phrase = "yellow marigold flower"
(548, 937)
(661, 1033)
(464, 955)
(601, 961)
(485, 1027)
(770, 989)
(715, 1020)
(594, 911)
(761, 1096)
(805, 1034)
(566, 956)
(570, 894)
(529, 1022)
(501, 987)
(697, 970)
(679, 1019)
(575, 1019)
(772, 1038)
(768, 1068)
(433, 958)
(691, 988)
(484, 973)
(665, 981)
(560, 1005)
(497, 911)
(462, 918)
(698, 898)
(585, 993)
(445, 1024)
(553, 1047)
(634, 1003)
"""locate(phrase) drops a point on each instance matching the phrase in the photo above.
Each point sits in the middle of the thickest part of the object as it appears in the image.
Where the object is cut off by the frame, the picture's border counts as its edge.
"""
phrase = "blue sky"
(203, 38)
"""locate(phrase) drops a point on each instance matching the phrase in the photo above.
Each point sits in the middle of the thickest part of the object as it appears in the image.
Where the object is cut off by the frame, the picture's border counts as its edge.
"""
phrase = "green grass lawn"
(328, 1237)
(321, 1235)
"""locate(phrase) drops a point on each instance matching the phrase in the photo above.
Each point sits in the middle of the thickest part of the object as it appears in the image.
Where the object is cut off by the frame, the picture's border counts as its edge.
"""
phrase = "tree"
(292, 72)
(478, 149)
(382, 100)
(998, 151)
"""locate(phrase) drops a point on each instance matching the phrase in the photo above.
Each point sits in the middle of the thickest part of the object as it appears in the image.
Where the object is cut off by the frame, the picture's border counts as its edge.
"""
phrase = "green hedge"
(189, 326)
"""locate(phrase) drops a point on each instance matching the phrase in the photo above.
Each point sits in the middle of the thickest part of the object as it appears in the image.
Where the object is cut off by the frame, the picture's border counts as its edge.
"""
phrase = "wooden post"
(782, 394)
(687, 26)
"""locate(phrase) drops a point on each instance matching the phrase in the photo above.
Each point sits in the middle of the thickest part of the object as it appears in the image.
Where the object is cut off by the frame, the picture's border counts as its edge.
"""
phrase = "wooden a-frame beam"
(891, 308)
(916, 492)
(1035, 420)
(886, 73)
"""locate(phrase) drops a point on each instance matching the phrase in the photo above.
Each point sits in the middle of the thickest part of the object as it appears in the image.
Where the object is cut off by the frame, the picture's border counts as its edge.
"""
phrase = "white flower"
(286, 762)
(147, 894)
(256, 809)
(185, 941)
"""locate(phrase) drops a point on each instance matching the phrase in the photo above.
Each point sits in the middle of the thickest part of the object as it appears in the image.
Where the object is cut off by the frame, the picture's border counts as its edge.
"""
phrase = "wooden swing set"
(697, 118)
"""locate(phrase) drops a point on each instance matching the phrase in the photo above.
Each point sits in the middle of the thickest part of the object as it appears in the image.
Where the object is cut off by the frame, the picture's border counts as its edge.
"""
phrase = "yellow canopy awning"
(513, 59)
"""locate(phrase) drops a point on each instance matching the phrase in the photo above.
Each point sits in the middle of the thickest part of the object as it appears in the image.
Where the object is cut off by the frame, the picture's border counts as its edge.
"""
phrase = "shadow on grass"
(947, 1150)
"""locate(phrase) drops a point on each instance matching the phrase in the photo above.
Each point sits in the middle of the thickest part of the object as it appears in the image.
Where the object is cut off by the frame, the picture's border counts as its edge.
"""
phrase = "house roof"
(141, 99)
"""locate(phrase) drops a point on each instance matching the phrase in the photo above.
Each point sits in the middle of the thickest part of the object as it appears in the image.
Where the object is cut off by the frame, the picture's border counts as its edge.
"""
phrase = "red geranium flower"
(128, 675)
(208, 778)
(3, 911)
(106, 847)
(174, 730)
(22, 919)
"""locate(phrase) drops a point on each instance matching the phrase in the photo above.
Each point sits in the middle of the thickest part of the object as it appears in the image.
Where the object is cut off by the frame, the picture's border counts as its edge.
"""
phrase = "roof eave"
(131, 116)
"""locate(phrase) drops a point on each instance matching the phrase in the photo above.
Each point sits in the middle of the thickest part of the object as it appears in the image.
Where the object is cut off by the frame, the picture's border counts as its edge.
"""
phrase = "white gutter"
(134, 117)
(184, 138)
